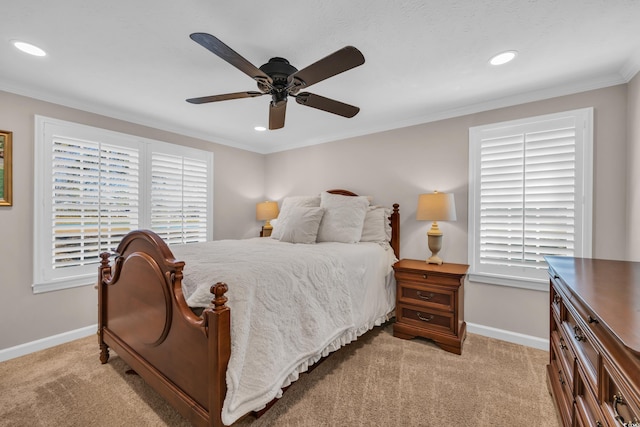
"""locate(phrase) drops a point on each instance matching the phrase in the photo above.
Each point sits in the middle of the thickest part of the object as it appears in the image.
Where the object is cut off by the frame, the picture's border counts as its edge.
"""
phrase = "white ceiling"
(425, 59)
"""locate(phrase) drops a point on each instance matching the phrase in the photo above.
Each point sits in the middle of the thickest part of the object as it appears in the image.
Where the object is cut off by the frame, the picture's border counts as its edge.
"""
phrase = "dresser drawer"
(565, 356)
(561, 387)
(585, 352)
(427, 277)
(587, 407)
(584, 413)
(556, 301)
(426, 319)
(617, 400)
(427, 296)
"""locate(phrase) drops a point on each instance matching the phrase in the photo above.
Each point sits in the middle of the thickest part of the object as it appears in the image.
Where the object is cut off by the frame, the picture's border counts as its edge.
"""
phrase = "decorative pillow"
(287, 204)
(343, 218)
(376, 226)
(302, 225)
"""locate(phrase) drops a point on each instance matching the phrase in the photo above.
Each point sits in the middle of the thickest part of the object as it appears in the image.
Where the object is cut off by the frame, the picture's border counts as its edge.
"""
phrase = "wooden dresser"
(594, 368)
(430, 302)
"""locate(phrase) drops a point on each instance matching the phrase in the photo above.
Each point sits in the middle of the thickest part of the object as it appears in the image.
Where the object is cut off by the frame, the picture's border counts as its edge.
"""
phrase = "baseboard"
(52, 341)
(514, 337)
(44, 343)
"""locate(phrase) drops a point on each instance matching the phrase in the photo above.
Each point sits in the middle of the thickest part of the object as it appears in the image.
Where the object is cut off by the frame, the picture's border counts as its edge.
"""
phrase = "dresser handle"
(562, 344)
(425, 276)
(557, 299)
(577, 334)
(617, 398)
(424, 297)
(424, 319)
(560, 378)
(591, 319)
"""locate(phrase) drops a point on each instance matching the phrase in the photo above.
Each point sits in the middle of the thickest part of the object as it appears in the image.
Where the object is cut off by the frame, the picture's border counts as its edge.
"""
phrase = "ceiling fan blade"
(276, 114)
(327, 104)
(224, 97)
(213, 44)
(338, 62)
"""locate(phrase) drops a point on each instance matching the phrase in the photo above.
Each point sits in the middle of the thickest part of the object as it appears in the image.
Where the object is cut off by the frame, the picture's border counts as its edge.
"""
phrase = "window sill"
(512, 282)
(50, 286)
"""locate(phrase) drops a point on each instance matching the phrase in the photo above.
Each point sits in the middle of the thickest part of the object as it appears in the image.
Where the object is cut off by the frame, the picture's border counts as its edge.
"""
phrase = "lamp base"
(434, 259)
(434, 237)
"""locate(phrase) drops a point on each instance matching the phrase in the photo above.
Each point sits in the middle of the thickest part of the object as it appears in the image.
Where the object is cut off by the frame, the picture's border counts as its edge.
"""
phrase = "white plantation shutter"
(179, 208)
(93, 186)
(94, 200)
(530, 196)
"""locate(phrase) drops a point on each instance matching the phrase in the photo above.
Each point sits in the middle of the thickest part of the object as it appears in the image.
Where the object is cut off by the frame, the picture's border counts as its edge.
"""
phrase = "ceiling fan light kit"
(280, 79)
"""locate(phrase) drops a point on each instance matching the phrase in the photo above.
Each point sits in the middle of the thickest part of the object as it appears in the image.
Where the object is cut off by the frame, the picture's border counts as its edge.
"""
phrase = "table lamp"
(266, 211)
(436, 207)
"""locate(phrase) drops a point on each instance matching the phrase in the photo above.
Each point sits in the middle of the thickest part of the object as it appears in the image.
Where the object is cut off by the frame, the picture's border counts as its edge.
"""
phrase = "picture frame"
(6, 175)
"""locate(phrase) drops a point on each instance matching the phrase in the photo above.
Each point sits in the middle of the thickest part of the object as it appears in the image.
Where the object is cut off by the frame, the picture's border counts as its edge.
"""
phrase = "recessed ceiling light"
(503, 58)
(29, 48)
(260, 128)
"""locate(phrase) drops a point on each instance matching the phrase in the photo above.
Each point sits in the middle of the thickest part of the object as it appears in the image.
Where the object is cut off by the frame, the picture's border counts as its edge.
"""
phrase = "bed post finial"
(219, 289)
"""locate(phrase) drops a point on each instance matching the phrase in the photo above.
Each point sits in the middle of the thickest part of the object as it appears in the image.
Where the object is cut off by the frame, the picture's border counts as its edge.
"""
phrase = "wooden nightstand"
(430, 302)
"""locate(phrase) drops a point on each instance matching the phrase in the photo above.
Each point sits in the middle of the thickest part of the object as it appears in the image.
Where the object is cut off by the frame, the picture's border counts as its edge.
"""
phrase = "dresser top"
(611, 289)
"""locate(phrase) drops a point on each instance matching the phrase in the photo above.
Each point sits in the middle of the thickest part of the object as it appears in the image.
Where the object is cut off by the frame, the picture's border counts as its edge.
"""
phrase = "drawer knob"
(424, 319)
(556, 298)
(425, 276)
(562, 344)
(423, 296)
(577, 334)
(592, 319)
(618, 399)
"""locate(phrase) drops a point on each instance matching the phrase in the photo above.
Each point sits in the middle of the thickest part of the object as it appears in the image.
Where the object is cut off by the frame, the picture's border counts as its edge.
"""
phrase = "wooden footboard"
(145, 319)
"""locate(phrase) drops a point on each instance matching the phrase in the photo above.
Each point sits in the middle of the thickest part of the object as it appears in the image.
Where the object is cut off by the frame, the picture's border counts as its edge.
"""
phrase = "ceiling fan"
(280, 79)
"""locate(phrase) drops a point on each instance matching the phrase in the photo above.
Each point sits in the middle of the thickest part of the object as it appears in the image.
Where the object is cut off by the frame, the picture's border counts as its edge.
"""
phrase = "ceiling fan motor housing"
(279, 69)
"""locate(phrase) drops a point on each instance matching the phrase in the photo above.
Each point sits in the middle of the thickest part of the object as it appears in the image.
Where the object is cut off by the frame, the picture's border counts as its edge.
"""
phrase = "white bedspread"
(291, 304)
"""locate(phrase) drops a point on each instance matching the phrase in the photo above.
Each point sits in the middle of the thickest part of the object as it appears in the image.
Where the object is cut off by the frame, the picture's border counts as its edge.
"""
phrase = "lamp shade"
(436, 207)
(266, 211)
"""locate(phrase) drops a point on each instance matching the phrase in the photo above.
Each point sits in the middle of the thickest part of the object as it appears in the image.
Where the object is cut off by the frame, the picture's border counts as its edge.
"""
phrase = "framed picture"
(5, 168)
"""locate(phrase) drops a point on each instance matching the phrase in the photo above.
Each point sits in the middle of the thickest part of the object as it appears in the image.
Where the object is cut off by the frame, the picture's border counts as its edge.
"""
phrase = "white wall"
(25, 317)
(393, 166)
(633, 137)
(396, 166)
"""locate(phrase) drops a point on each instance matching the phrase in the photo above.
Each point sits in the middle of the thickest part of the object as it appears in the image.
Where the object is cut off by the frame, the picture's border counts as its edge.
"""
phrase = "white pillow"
(302, 225)
(376, 226)
(287, 204)
(343, 218)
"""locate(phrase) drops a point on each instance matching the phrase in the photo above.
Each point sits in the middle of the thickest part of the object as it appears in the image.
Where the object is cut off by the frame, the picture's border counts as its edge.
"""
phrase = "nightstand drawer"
(427, 277)
(427, 296)
(426, 319)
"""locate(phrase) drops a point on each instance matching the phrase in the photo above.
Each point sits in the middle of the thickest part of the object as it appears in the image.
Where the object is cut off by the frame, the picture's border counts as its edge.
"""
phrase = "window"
(93, 186)
(530, 195)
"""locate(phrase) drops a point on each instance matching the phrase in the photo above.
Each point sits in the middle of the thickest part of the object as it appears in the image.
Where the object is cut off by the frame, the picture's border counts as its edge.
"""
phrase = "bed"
(173, 326)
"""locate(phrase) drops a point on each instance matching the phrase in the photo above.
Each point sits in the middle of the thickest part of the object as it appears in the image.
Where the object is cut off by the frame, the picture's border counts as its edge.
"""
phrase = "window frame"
(45, 278)
(525, 277)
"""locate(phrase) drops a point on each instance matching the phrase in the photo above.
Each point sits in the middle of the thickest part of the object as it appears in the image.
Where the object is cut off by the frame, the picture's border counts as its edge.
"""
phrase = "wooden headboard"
(394, 220)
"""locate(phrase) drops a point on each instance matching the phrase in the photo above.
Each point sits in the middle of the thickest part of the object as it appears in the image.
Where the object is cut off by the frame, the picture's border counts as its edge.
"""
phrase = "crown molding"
(631, 67)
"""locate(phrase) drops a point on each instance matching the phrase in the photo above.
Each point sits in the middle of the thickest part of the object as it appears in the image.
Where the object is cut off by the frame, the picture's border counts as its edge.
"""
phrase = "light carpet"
(378, 381)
